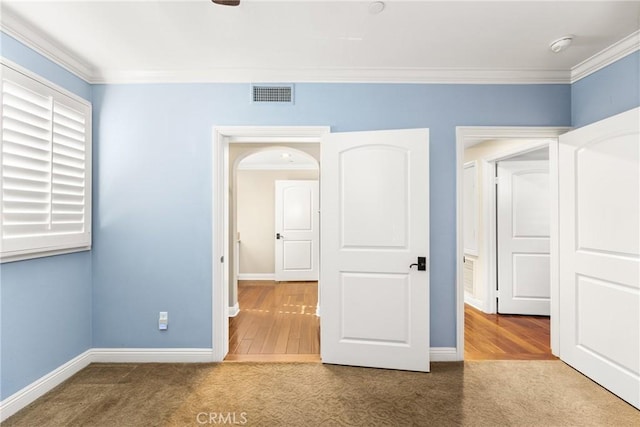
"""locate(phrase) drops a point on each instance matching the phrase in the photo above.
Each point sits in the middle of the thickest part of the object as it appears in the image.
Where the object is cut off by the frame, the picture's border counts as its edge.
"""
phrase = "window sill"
(27, 256)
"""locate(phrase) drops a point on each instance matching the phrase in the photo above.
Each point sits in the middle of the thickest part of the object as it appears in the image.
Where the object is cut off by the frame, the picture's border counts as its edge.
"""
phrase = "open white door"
(297, 231)
(375, 225)
(524, 214)
(600, 252)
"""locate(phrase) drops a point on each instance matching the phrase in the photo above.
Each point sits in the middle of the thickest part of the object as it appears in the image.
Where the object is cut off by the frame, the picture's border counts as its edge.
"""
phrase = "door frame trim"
(468, 136)
(222, 137)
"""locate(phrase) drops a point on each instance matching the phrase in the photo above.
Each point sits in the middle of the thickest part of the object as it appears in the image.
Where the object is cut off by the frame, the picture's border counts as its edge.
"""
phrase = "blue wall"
(45, 304)
(609, 91)
(152, 205)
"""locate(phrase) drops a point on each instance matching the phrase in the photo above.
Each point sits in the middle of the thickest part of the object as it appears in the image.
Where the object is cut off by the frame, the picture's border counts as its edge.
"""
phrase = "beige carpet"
(492, 393)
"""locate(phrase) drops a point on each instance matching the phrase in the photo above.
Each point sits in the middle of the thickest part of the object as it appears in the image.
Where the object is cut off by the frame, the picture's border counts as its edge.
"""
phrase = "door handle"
(421, 264)
(279, 236)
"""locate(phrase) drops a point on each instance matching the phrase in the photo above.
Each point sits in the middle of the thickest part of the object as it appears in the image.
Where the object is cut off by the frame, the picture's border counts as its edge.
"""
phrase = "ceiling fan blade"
(227, 2)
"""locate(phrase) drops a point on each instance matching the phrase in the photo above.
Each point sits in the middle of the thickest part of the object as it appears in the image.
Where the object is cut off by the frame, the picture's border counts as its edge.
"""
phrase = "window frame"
(49, 245)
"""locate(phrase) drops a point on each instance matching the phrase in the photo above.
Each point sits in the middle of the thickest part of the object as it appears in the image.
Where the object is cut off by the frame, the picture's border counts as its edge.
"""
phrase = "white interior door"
(600, 252)
(375, 224)
(297, 231)
(524, 276)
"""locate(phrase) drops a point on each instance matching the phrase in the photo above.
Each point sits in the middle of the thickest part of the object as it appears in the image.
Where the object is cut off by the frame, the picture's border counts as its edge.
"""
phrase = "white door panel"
(297, 228)
(524, 275)
(375, 223)
(600, 252)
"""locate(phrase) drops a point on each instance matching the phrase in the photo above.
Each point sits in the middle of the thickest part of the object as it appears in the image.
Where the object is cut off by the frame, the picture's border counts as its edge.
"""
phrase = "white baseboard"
(474, 302)
(39, 387)
(233, 311)
(256, 276)
(444, 354)
(151, 355)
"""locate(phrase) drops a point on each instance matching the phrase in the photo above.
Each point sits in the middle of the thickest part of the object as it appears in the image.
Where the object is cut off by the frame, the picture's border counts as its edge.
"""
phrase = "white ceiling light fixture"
(561, 44)
(376, 7)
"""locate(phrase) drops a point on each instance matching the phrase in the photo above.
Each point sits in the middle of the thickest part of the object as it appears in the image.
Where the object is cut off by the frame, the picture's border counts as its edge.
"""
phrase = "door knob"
(421, 264)
(279, 236)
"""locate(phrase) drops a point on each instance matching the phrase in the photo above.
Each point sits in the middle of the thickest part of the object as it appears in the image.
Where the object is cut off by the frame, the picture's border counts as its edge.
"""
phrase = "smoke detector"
(376, 7)
(561, 44)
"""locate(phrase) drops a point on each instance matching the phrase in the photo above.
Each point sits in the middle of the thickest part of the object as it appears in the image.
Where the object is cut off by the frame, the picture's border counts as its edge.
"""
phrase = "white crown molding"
(337, 75)
(607, 56)
(34, 38)
(16, 27)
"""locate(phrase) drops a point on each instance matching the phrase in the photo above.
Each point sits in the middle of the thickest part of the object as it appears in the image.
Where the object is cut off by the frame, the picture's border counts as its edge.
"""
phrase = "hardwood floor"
(277, 322)
(505, 337)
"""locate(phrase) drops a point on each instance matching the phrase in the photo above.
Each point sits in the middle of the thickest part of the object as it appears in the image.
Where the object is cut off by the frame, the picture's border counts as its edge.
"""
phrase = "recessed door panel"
(531, 203)
(373, 185)
(604, 170)
(297, 255)
(383, 301)
(526, 270)
(608, 335)
(298, 203)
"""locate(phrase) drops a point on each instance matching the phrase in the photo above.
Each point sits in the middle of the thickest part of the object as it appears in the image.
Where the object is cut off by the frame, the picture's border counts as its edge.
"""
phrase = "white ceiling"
(262, 40)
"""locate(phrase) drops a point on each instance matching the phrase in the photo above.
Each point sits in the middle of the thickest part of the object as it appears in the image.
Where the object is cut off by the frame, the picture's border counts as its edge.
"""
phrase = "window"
(45, 182)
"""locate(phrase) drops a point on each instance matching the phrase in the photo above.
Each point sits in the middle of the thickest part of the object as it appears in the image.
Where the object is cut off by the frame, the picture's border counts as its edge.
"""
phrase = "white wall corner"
(444, 354)
(28, 394)
(607, 56)
(234, 310)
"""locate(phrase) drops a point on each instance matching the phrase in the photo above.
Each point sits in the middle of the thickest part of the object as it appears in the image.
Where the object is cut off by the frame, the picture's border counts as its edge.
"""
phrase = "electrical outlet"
(163, 321)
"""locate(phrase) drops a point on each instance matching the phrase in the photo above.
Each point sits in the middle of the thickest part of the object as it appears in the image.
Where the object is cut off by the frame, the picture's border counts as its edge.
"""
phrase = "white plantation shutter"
(45, 194)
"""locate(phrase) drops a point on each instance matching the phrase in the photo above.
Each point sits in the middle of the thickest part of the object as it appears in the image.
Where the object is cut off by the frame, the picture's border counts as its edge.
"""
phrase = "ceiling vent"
(275, 93)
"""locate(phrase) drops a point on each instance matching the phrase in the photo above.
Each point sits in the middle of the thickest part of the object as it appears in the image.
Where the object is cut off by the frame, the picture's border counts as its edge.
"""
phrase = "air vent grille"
(272, 93)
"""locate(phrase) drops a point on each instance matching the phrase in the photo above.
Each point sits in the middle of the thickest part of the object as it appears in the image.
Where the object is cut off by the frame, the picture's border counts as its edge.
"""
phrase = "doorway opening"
(274, 236)
(227, 140)
(495, 168)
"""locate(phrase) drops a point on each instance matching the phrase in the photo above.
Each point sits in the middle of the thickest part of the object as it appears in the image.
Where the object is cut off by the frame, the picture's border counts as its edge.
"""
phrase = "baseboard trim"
(39, 387)
(233, 311)
(256, 276)
(444, 354)
(474, 302)
(151, 355)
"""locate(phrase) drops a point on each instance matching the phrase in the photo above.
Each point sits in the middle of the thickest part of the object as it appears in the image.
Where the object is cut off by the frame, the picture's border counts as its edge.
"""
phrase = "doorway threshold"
(291, 358)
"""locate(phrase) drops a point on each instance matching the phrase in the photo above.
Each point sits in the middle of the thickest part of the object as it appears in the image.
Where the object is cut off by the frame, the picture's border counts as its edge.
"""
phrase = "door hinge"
(222, 258)
(496, 180)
